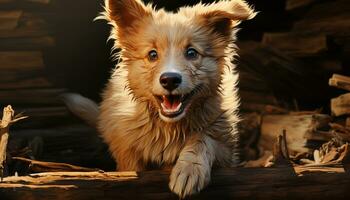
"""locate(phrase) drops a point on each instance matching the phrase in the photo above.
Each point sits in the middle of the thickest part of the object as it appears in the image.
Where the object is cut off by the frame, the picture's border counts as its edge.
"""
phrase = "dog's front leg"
(191, 172)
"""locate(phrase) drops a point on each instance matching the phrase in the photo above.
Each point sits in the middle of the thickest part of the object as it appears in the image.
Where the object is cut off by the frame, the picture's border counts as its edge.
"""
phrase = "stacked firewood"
(50, 132)
(25, 38)
(341, 105)
(319, 34)
(289, 70)
(297, 59)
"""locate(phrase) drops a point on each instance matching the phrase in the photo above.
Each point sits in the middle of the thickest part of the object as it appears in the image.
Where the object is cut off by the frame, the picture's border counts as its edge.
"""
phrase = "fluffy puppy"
(172, 100)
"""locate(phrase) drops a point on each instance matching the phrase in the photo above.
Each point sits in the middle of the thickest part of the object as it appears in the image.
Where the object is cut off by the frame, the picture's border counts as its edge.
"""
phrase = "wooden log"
(32, 96)
(340, 81)
(334, 25)
(325, 136)
(34, 20)
(21, 60)
(27, 24)
(21, 32)
(341, 105)
(36, 82)
(9, 75)
(296, 127)
(9, 19)
(340, 128)
(236, 183)
(328, 9)
(33, 43)
(297, 44)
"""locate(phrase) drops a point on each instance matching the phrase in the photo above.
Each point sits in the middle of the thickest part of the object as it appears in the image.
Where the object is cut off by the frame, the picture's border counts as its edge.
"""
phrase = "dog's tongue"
(171, 102)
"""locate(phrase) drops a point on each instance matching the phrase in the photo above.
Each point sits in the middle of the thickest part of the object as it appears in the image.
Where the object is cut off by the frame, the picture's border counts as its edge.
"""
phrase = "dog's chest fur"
(130, 129)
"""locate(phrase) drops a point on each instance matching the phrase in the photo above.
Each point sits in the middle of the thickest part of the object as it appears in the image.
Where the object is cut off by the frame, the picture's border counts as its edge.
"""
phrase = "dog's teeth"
(178, 107)
(165, 109)
(163, 106)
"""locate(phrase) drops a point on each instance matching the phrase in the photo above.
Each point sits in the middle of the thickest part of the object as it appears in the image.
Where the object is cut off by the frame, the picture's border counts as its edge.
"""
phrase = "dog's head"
(175, 59)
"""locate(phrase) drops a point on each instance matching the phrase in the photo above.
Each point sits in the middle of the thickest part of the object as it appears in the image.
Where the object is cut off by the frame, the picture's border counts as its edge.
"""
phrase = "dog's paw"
(188, 178)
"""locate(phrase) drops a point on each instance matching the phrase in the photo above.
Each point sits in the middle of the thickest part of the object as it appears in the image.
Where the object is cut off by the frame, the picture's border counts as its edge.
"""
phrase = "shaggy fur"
(130, 121)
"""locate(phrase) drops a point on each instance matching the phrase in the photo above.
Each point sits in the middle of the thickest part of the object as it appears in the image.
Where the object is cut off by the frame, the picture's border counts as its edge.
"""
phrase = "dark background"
(82, 59)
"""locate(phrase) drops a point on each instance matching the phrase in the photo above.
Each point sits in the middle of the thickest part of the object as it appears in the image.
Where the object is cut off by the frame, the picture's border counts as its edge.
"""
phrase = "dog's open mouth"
(173, 105)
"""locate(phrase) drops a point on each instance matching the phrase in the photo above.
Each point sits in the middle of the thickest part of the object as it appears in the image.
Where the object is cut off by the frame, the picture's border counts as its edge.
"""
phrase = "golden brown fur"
(130, 121)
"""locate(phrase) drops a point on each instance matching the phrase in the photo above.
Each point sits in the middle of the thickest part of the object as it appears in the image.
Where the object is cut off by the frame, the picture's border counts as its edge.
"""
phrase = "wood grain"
(237, 183)
(21, 60)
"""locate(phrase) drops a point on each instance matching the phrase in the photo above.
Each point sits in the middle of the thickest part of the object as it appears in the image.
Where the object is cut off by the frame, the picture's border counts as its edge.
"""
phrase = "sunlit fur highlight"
(129, 119)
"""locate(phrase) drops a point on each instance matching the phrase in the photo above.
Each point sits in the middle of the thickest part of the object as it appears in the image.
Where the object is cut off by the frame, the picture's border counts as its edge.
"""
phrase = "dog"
(172, 100)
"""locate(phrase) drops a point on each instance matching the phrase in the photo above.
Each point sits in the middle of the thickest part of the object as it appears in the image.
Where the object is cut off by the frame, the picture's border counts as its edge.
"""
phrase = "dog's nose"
(170, 80)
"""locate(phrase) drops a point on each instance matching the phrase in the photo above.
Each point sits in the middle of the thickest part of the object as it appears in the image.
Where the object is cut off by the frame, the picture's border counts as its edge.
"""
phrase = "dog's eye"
(152, 55)
(191, 53)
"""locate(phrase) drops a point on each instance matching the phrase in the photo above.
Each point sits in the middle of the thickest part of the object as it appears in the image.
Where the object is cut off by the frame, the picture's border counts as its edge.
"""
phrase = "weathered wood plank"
(23, 32)
(27, 43)
(21, 60)
(238, 183)
(9, 19)
(341, 105)
(49, 96)
(327, 9)
(36, 82)
(337, 25)
(340, 81)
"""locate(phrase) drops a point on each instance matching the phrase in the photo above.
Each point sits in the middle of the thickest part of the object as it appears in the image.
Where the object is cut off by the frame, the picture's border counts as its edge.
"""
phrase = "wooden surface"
(238, 183)
(20, 60)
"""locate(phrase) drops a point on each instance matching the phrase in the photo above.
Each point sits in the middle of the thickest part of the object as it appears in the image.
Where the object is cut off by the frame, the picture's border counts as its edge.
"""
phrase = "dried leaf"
(330, 156)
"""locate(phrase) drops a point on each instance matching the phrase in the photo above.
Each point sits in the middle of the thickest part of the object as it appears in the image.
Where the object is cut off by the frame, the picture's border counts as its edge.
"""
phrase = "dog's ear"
(126, 12)
(222, 16)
